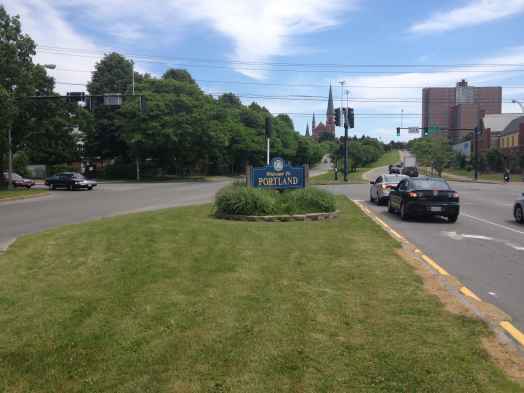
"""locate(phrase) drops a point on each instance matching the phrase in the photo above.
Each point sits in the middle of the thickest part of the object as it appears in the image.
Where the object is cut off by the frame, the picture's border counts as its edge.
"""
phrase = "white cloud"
(44, 24)
(473, 13)
(263, 28)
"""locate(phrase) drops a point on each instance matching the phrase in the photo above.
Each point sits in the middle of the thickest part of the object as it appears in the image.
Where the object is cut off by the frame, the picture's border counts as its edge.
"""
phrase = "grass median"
(20, 193)
(177, 301)
(390, 157)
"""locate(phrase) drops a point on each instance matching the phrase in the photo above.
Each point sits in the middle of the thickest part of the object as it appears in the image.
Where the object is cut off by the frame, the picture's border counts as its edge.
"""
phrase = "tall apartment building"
(460, 107)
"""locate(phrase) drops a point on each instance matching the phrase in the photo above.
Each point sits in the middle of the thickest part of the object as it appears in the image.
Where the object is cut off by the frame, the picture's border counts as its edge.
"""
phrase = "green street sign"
(433, 129)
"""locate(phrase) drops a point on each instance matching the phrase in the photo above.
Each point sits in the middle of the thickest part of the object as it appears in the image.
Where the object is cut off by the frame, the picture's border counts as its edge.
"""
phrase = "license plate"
(436, 208)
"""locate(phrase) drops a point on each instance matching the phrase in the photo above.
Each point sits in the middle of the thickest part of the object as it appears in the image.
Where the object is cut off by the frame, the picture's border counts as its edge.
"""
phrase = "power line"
(280, 64)
(244, 68)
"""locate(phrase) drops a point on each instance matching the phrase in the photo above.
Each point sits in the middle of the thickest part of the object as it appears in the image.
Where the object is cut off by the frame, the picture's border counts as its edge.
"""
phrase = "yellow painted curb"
(467, 292)
(513, 331)
(434, 265)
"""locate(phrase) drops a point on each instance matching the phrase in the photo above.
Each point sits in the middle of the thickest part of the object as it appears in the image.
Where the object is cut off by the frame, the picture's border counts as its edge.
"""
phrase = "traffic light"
(351, 118)
(269, 127)
(337, 117)
(398, 131)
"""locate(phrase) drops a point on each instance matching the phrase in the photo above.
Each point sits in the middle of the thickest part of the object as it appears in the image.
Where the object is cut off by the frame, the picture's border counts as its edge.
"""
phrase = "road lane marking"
(457, 236)
(434, 265)
(493, 223)
(467, 292)
(513, 331)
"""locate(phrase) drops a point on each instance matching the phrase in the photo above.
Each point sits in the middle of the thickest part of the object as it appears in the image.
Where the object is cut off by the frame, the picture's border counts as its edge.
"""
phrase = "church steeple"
(330, 114)
(314, 123)
(331, 107)
(307, 130)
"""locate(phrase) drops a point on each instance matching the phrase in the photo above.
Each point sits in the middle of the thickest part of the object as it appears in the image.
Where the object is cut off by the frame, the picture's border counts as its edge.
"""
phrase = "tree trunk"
(137, 169)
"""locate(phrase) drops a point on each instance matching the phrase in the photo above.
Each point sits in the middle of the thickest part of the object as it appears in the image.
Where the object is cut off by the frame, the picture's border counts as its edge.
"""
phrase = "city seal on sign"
(278, 164)
(278, 175)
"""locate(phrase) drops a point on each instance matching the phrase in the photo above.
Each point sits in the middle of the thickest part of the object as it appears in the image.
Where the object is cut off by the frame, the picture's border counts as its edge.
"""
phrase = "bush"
(238, 199)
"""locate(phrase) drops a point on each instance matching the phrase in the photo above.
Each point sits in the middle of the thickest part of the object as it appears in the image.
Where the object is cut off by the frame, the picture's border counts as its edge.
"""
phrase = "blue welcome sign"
(278, 175)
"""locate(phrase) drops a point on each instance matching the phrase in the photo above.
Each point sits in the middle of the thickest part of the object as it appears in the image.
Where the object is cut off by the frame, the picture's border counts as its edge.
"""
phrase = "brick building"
(459, 107)
(493, 126)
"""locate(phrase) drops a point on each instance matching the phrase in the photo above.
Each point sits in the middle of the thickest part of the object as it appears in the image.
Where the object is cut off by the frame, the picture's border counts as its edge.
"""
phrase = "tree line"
(183, 130)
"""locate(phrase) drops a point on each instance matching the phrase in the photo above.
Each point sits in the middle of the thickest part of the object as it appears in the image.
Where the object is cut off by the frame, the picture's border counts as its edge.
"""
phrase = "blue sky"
(224, 41)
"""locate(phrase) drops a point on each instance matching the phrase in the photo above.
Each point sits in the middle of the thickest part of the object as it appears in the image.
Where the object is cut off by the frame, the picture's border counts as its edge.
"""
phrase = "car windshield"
(393, 179)
(78, 176)
(16, 176)
(430, 184)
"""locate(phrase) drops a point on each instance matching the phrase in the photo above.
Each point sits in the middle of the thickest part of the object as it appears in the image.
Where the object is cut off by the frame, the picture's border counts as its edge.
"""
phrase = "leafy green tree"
(113, 74)
(178, 75)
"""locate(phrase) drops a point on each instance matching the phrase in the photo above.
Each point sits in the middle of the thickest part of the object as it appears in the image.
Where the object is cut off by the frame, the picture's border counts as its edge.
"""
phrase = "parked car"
(70, 180)
(410, 171)
(518, 210)
(424, 196)
(382, 186)
(19, 181)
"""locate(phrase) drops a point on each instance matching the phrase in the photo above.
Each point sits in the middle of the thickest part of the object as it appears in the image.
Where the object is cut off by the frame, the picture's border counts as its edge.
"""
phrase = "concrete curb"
(281, 218)
(498, 320)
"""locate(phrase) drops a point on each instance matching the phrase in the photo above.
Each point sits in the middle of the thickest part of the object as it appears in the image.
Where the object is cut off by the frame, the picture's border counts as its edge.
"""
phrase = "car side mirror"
(371, 182)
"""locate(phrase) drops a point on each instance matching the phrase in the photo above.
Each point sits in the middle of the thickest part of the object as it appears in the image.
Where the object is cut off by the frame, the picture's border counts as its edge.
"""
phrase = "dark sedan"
(19, 181)
(410, 171)
(518, 210)
(424, 196)
(70, 180)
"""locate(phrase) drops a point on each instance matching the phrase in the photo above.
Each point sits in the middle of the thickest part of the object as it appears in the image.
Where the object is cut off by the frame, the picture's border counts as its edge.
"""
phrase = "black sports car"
(70, 180)
(424, 196)
(518, 210)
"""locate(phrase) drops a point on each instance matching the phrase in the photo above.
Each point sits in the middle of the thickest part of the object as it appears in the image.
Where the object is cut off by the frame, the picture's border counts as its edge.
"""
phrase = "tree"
(113, 74)
(16, 67)
(179, 75)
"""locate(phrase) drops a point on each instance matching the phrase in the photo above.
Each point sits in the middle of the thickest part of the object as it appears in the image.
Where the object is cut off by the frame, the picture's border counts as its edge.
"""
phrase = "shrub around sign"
(238, 199)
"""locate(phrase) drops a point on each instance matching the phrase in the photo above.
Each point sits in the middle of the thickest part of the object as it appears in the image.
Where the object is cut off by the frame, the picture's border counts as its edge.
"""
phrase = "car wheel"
(519, 214)
(453, 218)
(90, 188)
(403, 212)
(390, 208)
(371, 198)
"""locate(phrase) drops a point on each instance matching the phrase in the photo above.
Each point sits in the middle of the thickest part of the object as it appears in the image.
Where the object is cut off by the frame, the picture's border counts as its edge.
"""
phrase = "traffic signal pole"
(476, 142)
(10, 159)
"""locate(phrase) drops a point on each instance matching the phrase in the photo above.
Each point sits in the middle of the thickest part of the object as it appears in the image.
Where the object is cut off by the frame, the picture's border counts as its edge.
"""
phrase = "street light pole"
(476, 141)
(10, 159)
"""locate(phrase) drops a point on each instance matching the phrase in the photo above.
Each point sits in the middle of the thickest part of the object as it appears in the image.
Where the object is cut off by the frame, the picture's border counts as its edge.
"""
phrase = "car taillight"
(412, 194)
(455, 195)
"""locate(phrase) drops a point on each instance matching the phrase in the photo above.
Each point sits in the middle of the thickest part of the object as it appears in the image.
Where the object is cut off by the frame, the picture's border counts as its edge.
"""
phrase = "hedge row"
(237, 199)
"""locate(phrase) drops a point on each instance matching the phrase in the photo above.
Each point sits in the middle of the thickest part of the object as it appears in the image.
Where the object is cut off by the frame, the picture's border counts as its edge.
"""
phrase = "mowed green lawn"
(19, 193)
(177, 301)
(391, 157)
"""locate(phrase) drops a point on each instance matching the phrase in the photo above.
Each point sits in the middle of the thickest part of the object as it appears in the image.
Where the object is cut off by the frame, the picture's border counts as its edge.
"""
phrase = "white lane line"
(492, 223)
(458, 236)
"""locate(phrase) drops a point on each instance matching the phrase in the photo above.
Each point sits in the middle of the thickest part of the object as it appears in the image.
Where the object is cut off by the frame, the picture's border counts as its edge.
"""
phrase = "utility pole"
(476, 142)
(10, 159)
(346, 138)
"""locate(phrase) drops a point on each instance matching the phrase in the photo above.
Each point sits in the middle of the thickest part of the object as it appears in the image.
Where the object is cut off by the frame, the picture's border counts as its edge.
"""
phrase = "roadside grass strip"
(178, 301)
(10, 195)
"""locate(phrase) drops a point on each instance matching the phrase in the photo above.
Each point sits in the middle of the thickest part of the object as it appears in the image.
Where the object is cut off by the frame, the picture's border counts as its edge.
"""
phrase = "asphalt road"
(27, 216)
(484, 249)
